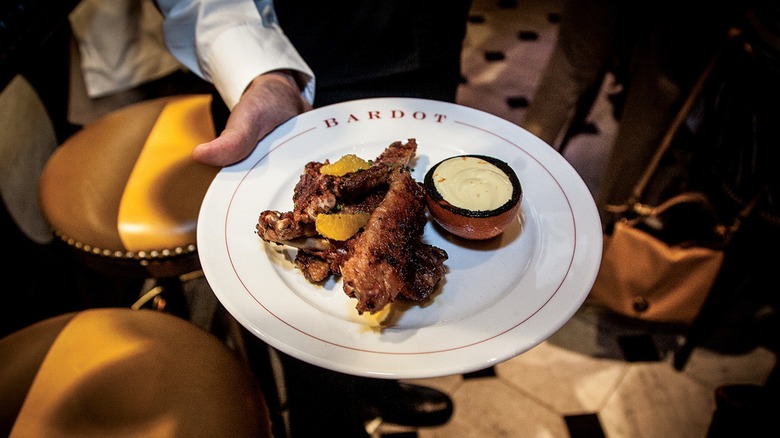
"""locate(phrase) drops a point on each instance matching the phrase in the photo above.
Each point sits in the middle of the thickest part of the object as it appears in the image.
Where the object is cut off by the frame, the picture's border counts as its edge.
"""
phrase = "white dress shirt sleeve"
(230, 42)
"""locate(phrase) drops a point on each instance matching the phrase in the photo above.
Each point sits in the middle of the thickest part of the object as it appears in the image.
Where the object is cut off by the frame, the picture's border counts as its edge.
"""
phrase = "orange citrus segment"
(347, 164)
(340, 226)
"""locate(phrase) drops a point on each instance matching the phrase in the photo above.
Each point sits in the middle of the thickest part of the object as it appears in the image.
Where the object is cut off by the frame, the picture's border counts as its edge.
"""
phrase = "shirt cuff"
(244, 52)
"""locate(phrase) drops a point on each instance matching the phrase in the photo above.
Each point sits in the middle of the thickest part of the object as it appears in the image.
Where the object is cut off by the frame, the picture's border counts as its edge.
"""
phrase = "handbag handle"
(686, 197)
(726, 231)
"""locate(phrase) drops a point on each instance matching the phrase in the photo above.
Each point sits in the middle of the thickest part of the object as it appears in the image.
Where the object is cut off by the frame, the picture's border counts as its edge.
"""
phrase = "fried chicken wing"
(385, 261)
(377, 268)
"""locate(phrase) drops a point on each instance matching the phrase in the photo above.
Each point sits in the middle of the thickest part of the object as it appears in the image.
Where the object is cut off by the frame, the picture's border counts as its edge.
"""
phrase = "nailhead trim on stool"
(130, 255)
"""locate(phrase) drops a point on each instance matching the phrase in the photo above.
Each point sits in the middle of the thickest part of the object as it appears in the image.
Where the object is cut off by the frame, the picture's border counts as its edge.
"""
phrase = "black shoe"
(407, 405)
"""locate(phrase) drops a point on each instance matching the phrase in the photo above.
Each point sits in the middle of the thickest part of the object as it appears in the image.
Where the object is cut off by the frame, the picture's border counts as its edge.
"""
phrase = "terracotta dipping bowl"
(473, 224)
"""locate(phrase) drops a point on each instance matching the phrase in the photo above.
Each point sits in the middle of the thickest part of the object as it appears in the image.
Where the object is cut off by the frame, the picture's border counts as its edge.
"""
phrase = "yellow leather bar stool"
(117, 372)
(124, 193)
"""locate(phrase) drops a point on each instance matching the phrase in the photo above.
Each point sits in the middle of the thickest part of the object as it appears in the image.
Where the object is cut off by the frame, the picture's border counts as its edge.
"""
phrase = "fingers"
(270, 100)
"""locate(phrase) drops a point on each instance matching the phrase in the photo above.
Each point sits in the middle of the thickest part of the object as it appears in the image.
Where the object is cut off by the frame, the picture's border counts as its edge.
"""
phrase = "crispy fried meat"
(382, 264)
(384, 261)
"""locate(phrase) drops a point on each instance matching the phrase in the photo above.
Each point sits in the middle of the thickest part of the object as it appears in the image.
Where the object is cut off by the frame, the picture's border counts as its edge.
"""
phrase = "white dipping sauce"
(472, 184)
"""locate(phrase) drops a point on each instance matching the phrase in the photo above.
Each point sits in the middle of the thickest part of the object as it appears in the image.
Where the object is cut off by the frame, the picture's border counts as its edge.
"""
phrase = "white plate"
(498, 299)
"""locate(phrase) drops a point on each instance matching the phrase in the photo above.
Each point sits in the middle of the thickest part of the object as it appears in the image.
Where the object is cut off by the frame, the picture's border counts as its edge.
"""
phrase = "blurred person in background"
(656, 51)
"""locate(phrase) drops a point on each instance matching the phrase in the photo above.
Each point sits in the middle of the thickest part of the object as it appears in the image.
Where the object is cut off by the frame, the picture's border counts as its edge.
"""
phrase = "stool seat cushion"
(21, 354)
(125, 373)
(126, 185)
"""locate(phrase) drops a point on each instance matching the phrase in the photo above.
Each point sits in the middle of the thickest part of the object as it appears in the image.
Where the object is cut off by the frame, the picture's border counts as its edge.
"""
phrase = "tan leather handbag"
(644, 276)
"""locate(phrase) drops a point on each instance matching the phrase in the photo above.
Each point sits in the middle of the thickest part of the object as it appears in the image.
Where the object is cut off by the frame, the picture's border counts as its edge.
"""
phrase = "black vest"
(350, 41)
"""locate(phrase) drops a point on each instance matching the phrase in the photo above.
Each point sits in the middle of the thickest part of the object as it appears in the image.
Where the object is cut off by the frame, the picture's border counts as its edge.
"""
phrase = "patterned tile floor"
(599, 375)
